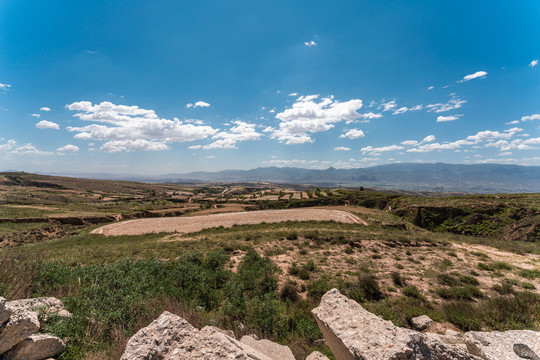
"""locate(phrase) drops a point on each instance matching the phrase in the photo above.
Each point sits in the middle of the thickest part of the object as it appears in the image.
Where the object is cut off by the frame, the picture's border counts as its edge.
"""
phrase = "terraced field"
(197, 223)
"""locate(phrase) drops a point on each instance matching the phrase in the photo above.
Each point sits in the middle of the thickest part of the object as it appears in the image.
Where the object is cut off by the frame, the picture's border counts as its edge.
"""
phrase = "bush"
(369, 287)
(397, 279)
(412, 291)
(466, 292)
(289, 291)
(303, 274)
(530, 274)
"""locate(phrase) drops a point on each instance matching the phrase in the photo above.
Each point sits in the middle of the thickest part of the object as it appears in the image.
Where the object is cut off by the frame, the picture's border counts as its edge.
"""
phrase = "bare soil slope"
(197, 223)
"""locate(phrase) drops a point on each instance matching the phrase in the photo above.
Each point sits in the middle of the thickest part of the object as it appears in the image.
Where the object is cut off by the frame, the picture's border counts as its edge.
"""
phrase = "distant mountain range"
(481, 178)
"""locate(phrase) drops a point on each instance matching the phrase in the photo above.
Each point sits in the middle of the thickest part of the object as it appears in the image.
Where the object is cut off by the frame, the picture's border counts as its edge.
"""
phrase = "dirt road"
(190, 224)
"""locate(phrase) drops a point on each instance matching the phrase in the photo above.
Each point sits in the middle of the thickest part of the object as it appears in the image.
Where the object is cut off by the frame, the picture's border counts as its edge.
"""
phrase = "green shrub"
(397, 279)
(412, 291)
(466, 292)
(529, 274)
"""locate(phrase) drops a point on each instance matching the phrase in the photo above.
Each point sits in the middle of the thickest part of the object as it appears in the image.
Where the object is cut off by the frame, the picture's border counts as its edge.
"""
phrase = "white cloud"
(431, 87)
(533, 63)
(308, 116)
(341, 148)
(512, 122)
(200, 104)
(36, 115)
(377, 150)
(436, 146)
(454, 103)
(293, 94)
(68, 149)
(210, 157)
(272, 111)
(4, 86)
(242, 131)
(310, 43)
(353, 134)
(489, 135)
(401, 110)
(131, 128)
(429, 138)
(388, 105)
(11, 147)
(370, 116)
(448, 118)
(45, 109)
(44, 124)
(514, 129)
(478, 74)
(133, 145)
(410, 143)
(530, 117)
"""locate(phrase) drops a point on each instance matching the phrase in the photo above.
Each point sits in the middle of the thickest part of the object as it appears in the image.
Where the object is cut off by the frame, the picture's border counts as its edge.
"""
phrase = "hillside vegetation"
(471, 262)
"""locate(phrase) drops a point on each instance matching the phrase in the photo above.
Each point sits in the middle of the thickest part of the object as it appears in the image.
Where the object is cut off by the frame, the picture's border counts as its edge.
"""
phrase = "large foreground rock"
(20, 326)
(354, 333)
(36, 347)
(317, 356)
(5, 313)
(500, 345)
(172, 338)
(269, 348)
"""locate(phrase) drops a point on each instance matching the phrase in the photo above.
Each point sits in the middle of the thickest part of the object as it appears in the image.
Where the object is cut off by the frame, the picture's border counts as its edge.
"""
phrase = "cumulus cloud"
(476, 75)
(341, 148)
(11, 147)
(377, 150)
(68, 149)
(447, 118)
(133, 145)
(530, 117)
(401, 110)
(452, 104)
(533, 63)
(370, 116)
(131, 128)
(310, 43)
(353, 134)
(307, 116)
(241, 131)
(489, 135)
(431, 88)
(200, 104)
(44, 124)
(45, 109)
(427, 139)
(436, 146)
(36, 115)
(293, 94)
(4, 86)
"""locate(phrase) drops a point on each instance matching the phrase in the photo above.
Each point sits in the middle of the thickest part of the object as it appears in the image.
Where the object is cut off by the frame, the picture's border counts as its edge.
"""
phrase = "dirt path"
(190, 224)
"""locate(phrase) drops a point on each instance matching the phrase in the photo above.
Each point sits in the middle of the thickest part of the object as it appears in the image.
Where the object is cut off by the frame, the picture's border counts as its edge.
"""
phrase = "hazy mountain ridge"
(479, 178)
(474, 178)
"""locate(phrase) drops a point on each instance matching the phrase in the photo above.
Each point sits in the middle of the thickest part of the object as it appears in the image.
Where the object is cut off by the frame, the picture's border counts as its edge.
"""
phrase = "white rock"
(421, 323)
(36, 347)
(172, 338)
(5, 313)
(317, 356)
(49, 305)
(21, 325)
(269, 348)
(351, 332)
(496, 345)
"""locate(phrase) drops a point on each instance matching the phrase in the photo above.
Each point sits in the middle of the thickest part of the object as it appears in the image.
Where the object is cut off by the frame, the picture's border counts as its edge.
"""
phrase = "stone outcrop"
(36, 347)
(421, 323)
(172, 338)
(19, 322)
(269, 348)
(496, 345)
(5, 313)
(47, 305)
(352, 332)
(317, 356)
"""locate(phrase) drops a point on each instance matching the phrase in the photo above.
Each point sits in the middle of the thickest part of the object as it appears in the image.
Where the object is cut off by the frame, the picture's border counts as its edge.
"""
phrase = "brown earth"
(197, 223)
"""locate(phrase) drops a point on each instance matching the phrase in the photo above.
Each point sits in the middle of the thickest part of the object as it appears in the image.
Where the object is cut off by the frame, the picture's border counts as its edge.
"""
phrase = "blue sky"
(139, 87)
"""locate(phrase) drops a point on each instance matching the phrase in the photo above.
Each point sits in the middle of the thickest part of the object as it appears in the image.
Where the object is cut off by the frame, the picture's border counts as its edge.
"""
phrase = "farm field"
(255, 258)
